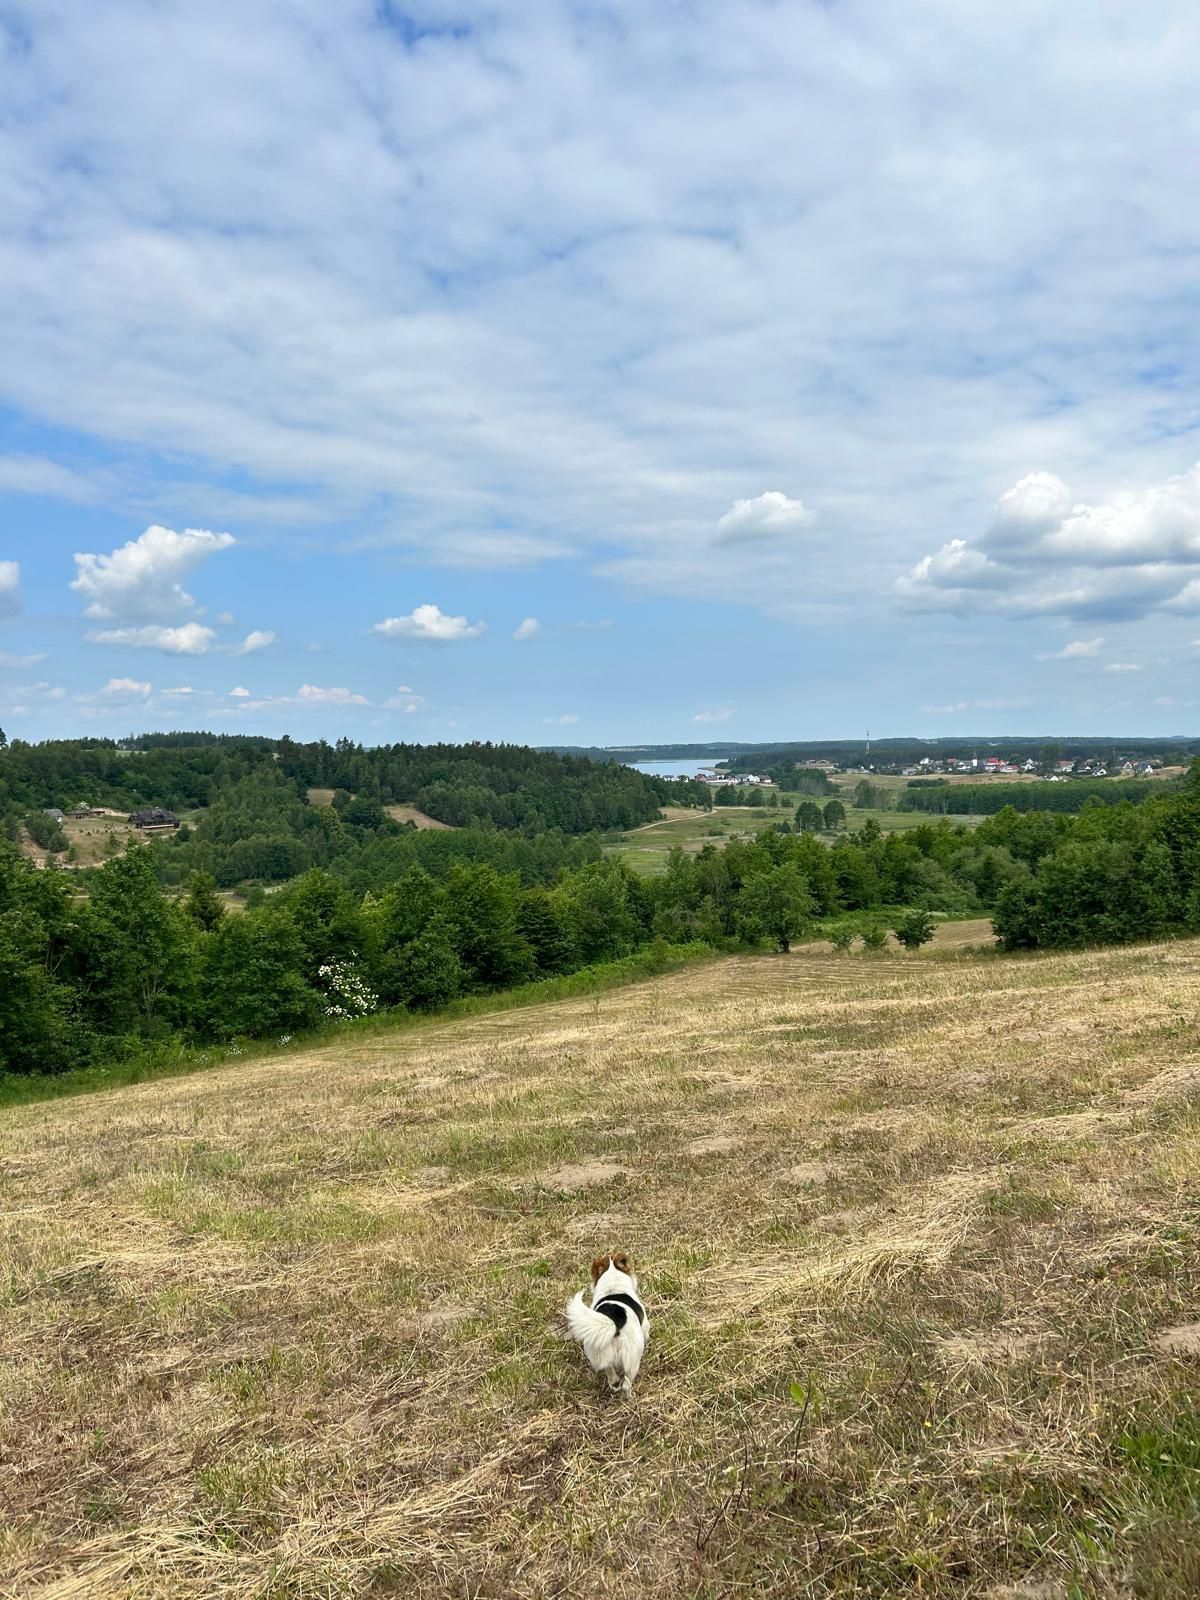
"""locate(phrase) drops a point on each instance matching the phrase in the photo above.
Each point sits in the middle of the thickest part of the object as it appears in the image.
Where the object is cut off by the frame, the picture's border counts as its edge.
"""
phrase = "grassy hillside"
(918, 1237)
(646, 849)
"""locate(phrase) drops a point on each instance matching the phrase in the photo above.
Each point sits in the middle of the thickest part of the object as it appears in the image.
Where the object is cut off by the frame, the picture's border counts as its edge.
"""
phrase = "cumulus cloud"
(125, 688)
(1043, 554)
(567, 719)
(9, 659)
(188, 639)
(429, 623)
(258, 639)
(939, 582)
(1077, 650)
(144, 578)
(764, 517)
(310, 694)
(240, 693)
(1124, 666)
(720, 714)
(1031, 509)
(527, 629)
(10, 589)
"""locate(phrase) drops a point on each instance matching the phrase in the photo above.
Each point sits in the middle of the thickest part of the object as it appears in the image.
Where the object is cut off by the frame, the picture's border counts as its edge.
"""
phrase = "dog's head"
(602, 1264)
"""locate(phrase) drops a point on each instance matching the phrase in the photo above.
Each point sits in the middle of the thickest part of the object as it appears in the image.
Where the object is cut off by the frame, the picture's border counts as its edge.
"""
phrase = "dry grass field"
(419, 819)
(94, 840)
(918, 1236)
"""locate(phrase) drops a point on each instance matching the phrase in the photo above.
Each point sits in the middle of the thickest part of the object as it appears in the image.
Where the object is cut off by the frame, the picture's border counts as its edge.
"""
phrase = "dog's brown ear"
(600, 1265)
(621, 1261)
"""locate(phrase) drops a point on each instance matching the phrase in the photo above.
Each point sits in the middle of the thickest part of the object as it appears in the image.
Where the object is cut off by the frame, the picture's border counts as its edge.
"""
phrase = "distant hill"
(897, 750)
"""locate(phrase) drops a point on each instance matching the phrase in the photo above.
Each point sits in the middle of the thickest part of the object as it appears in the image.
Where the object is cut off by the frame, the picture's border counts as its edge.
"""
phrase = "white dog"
(614, 1330)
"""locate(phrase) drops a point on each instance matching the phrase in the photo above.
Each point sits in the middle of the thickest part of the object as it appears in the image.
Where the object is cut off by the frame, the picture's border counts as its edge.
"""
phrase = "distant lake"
(682, 768)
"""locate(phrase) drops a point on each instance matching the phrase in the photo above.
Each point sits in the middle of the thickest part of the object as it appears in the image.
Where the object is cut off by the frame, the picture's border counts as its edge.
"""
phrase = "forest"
(96, 966)
(349, 912)
(255, 821)
(985, 799)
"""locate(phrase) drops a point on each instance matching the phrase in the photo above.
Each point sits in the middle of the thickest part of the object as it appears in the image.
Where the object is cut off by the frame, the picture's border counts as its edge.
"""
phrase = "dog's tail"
(593, 1329)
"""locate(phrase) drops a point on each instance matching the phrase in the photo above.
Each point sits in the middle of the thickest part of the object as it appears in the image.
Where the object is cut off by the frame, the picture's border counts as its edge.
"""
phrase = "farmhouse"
(153, 817)
(52, 811)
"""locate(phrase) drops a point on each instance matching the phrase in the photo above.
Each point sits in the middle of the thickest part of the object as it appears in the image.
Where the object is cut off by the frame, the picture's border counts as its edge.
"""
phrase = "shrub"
(914, 930)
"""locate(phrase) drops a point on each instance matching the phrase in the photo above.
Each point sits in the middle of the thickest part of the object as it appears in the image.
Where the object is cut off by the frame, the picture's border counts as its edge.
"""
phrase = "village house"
(153, 817)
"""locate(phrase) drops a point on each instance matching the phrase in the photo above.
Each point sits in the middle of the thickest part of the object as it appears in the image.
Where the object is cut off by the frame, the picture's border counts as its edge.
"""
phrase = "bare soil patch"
(1181, 1341)
(806, 1172)
(582, 1175)
(713, 1144)
(419, 819)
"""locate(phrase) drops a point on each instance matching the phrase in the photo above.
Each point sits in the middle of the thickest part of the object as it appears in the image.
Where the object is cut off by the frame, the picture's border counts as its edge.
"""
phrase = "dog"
(614, 1330)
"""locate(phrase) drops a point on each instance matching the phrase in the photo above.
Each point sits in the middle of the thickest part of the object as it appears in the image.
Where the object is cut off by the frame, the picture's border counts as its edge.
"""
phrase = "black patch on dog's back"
(614, 1306)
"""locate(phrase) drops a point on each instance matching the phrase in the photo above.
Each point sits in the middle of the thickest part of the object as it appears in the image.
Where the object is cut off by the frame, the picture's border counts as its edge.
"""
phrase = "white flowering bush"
(347, 993)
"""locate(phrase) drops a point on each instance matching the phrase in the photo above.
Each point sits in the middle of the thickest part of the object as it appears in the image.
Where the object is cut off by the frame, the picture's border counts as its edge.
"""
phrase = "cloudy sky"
(599, 372)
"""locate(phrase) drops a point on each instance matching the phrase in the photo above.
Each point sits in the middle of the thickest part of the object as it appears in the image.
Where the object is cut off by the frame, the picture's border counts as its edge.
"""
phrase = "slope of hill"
(918, 1237)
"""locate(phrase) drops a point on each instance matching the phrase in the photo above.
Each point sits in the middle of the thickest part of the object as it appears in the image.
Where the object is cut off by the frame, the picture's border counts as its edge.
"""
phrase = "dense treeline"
(500, 786)
(1109, 875)
(261, 828)
(893, 752)
(986, 799)
(904, 752)
(96, 966)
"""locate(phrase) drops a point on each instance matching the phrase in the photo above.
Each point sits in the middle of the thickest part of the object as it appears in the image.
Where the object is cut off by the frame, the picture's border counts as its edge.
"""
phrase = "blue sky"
(599, 373)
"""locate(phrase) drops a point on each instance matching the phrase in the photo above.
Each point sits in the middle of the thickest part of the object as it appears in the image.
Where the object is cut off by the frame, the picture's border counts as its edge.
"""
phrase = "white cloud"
(258, 639)
(9, 659)
(143, 578)
(527, 629)
(1042, 554)
(764, 517)
(568, 719)
(240, 693)
(1077, 650)
(1032, 508)
(188, 639)
(310, 694)
(721, 714)
(36, 475)
(1124, 666)
(957, 707)
(429, 623)
(939, 581)
(404, 700)
(125, 688)
(183, 689)
(10, 589)
(543, 287)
